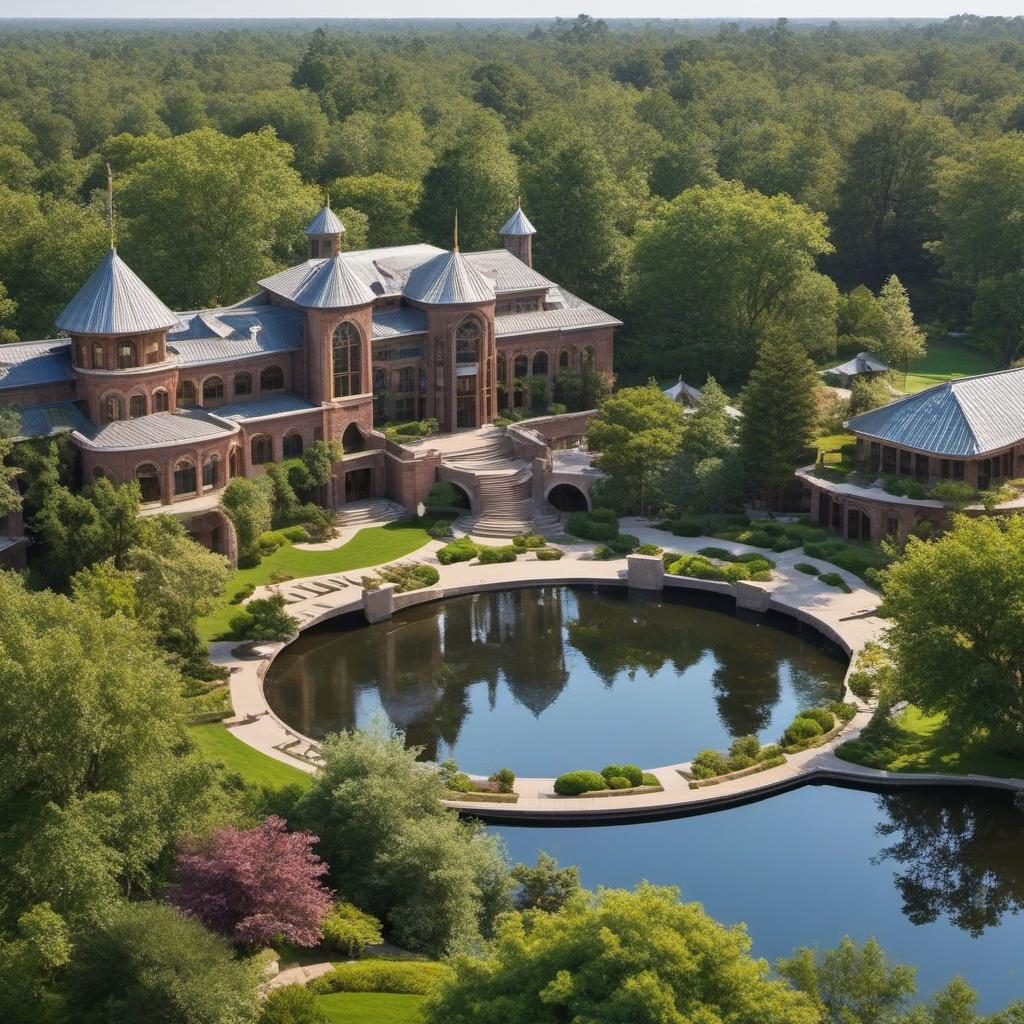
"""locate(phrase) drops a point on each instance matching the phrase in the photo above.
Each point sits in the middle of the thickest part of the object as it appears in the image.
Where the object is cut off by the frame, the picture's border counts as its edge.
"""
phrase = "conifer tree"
(902, 341)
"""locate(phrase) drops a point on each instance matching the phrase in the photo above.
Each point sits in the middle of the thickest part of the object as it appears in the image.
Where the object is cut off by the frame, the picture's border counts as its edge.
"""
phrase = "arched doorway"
(352, 440)
(148, 476)
(858, 525)
(567, 498)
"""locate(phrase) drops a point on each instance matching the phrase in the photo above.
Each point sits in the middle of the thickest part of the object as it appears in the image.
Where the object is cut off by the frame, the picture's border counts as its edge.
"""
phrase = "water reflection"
(957, 859)
(549, 678)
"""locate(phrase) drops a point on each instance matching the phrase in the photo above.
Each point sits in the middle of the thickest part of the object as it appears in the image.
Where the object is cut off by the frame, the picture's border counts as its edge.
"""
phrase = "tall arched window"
(125, 355)
(467, 341)
(272, 379)
(185, 477)
(136, 406)
(97, 356)
(540, 364)
(213, 390)
(292, 446)
(148, 476)
(161, 401)
(345, 361)
(235, 461)
(186, 394)
(521, 366)
(112, 408)
(262, 450)
(587, 358)
(211, 471)
(242, 384)
(564, 359)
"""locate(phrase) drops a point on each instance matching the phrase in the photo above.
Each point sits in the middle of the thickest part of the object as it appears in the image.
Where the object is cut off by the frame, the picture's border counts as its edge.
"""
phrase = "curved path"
(848, 620)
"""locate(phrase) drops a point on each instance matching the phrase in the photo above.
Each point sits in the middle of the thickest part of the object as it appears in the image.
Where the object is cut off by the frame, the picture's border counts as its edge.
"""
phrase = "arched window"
(211, 471)
(148, 476)
(380, 380)
(185, 477)
(345, 360)
(540, 364)
(112, 408)
(292, 446)
(467, 341)
(587, 358)
(97, 356)
(521, 366)
(242, 384)
(161, 401)
(502, 368)
(213, 390)
(235, 462)
(125, 355)
(892, 526)
(262, 450)
(564, 359)
(136, 406)
(272, 379)
(186, 394)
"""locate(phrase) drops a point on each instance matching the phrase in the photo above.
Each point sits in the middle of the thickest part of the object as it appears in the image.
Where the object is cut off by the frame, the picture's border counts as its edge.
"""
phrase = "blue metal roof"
(965, 417)
(25, 363)
(396, 323)
(325, 223)
(114, 301)
(156, 430)
(518, 224)
(51, 418)
(268, 405)
(280, 330)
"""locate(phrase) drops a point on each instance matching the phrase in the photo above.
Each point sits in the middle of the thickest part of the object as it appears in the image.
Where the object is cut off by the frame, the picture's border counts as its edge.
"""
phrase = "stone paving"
(847, 619)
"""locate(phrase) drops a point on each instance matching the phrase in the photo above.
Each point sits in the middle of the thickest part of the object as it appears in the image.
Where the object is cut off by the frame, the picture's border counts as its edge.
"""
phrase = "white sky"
(250, 9)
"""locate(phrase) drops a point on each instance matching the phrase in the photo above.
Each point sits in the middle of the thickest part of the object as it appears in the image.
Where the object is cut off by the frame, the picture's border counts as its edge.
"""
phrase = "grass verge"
(372, 546)
(371, 1008)
(943, 361)
(218, 745)
(916, 742)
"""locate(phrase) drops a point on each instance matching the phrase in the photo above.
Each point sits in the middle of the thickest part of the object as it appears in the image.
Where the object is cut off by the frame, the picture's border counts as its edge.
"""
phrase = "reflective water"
(936, 876)
(549, 679)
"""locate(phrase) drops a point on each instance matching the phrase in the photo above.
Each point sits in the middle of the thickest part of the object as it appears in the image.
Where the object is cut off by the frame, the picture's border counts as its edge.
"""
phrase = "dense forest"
(712, 183)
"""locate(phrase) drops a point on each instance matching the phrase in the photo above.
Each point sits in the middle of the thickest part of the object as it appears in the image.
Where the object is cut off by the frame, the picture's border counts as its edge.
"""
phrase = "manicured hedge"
(409, 977)
(461, 550)
(574, 783)
(833, 579)
(592, 525)
(491, 556)
(800, 730)
(549, 554)
(807, 568)
(529, 540)
(625, 771)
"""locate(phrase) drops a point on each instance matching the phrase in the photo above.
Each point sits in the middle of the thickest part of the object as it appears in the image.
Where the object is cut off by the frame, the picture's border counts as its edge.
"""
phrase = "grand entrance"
(465, 401)
(358, 484)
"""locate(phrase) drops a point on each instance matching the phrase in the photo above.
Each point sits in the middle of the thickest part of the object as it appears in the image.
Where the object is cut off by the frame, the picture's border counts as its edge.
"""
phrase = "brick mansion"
(328, 349)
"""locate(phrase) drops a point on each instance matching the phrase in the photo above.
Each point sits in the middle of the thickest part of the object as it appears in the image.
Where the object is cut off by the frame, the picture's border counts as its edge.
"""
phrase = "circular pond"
(547, 679)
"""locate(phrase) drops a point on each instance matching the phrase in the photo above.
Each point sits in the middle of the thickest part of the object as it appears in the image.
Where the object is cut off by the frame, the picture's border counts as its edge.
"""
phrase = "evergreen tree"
(779, 414)
(902, 340)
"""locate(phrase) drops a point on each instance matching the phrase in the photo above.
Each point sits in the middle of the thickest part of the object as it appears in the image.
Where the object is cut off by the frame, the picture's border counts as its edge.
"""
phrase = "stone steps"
(370, 513)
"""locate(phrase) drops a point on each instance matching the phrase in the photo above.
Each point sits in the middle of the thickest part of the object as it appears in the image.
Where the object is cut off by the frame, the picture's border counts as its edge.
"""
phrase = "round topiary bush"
(800, 730)
(461, 550)
(707, 764)
(504, 779)
(549, 554)
(619, 782)
(574, 783)
(441, 529)
(626, 771)
(492, 556)
(822, 716)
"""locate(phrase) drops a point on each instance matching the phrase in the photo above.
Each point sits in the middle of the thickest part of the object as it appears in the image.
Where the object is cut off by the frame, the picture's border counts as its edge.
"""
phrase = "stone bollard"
(753, 597)
(645, 572)
(379, 604)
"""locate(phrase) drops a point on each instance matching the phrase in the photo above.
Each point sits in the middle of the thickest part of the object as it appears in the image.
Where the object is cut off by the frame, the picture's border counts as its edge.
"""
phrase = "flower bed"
(613, 779)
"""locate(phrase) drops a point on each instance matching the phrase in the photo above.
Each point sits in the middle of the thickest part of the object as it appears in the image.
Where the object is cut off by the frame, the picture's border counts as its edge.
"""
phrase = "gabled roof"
(506, 272)
(325, 223)
(204, 324)
(518, 224)
(565, 312)
(280, 330)
(965, 417)
(24, 363)
(449, 279)
(862, 362)
(114, 301)
(321, 284)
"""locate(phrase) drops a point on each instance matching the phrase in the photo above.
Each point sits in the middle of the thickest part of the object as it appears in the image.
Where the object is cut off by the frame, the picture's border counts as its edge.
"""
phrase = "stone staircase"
(374, 512)
(506, 505)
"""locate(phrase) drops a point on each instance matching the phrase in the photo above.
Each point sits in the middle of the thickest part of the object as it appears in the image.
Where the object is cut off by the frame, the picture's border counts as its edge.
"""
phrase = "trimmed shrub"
(504, 779)
(491, 556)
(619, 782)
(441, 529)
(446, 495)
(759, 539)
(263, 618)
(684, 529)
(587, 526)
(626, 771)
(668, 557)
(773, 529)
(843, 711)
(726, 556)
(349, 930)
(460, 782)
(707, 764)
(245, 592)
(824, 718)
(833, 579)
(604, 515)
(295, 534)
(549, 554)
(807, 569)
(624, 543)
(461, 550)
(754, 557)
(650, 779)
(574, 783)
(280, 576)
(801, 729)
(745, 746)
(648, 549)
(529, 540)
(786, 544)
(270, 541)
(409, 576)
(404, 977)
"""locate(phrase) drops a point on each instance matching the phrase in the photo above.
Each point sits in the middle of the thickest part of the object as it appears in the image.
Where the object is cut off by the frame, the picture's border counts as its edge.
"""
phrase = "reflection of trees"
(746, 684)
(960, 856)
(610, 646)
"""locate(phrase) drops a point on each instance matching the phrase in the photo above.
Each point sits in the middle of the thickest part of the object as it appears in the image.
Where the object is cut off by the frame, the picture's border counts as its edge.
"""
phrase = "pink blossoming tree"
(254, 885)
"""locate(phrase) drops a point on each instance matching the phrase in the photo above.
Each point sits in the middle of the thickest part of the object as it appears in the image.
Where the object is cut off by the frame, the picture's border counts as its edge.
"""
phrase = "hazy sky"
(506, 8)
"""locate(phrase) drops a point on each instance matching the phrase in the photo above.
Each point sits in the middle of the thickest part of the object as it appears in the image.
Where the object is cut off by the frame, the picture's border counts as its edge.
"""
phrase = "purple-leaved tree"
(254, 885)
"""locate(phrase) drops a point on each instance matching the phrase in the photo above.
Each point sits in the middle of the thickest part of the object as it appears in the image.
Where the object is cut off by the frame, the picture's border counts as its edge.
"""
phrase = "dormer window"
(125, 355)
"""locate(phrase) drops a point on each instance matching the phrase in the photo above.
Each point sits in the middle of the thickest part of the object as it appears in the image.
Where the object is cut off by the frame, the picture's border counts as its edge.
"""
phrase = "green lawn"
(943, 361)
(371, 1008)
(372, 546)
(916, 742)
(218, 745)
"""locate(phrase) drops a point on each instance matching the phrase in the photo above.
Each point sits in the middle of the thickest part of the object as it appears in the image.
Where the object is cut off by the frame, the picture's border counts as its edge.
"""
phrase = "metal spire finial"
(110, 204)
(455, 246)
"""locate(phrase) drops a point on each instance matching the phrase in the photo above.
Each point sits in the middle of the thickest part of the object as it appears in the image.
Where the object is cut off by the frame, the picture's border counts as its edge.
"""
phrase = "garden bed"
(632, 791)
(484, 796)
(741, 773)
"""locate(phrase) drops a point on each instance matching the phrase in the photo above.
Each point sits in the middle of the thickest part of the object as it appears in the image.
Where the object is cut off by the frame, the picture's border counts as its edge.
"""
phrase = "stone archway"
(568, 498)
(352, 440)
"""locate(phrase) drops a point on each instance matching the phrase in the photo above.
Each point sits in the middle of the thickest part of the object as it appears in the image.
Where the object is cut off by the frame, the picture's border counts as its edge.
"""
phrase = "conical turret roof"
(115, 301)
(448, 280)
(518, 224)
(333, 285)
(325, 223)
